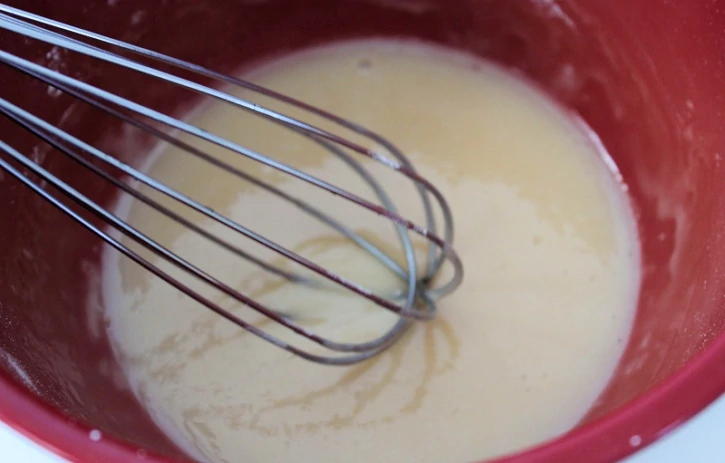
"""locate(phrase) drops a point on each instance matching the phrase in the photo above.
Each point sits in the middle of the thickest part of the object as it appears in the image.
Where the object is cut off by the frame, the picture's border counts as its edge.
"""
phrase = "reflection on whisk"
(415, 302)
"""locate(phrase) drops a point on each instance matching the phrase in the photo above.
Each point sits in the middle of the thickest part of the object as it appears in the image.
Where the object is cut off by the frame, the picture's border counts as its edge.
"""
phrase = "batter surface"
(517, 355)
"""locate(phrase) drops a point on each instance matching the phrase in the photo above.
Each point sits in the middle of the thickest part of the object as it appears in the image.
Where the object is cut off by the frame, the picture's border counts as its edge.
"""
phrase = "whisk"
(417, 302)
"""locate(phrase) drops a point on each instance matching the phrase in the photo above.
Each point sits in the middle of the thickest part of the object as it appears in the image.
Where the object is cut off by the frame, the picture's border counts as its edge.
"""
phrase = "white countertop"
(701, 440)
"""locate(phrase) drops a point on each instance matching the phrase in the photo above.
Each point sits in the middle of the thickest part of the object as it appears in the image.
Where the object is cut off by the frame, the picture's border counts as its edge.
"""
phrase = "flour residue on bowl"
(516, 356)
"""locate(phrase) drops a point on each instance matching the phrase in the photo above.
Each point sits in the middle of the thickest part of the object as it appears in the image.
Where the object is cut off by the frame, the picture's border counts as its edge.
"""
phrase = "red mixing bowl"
(647, 75)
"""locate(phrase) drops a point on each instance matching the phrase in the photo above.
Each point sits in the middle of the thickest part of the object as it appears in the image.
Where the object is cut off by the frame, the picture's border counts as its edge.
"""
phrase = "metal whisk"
(416, 302)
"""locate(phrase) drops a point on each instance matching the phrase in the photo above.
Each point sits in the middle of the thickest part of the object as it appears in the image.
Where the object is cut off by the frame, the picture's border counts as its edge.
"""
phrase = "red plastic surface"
(647, 75)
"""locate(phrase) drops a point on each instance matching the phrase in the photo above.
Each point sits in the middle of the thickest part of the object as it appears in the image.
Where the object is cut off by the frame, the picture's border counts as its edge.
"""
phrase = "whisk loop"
(415, 302)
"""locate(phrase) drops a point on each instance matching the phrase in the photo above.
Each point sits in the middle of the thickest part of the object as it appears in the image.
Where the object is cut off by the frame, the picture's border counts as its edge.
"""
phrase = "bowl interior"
(646, 76)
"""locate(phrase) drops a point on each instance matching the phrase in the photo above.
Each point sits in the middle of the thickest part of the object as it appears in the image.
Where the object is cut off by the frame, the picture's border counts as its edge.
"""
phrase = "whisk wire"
(419, 297)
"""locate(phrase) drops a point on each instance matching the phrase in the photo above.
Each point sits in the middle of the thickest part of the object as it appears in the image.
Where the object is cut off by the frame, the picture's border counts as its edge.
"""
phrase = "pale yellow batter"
(517, 355)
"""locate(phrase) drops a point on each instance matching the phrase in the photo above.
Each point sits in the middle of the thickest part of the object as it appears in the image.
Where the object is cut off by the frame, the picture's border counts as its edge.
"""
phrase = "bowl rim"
(612, 437)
